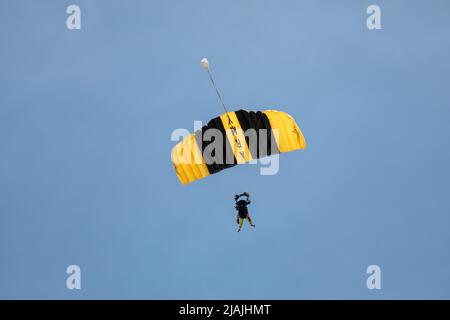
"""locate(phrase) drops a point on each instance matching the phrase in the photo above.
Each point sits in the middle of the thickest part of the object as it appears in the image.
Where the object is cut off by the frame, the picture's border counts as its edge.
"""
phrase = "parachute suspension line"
(217, 91)
(205, 65)
(252, 179)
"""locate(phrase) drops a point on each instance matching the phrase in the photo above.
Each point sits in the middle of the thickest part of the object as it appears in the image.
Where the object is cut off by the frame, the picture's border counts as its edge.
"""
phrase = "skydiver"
(242, 210)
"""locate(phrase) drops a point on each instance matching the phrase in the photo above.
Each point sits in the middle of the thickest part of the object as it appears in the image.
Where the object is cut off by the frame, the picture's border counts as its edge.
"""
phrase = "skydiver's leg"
(250, 221)
(241, 222)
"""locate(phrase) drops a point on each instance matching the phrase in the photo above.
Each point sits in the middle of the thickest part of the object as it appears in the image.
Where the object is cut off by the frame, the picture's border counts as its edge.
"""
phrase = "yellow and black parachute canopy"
(235, 138)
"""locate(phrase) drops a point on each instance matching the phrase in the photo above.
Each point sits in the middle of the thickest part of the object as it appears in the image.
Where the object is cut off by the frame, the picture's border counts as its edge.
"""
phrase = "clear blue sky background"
(85, 171)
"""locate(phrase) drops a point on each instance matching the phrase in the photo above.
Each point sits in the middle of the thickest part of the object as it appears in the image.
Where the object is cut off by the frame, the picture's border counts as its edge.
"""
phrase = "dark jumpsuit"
(242, 213)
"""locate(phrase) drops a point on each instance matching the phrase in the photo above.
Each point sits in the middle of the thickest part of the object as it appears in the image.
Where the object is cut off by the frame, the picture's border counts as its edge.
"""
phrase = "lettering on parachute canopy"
(237, 142)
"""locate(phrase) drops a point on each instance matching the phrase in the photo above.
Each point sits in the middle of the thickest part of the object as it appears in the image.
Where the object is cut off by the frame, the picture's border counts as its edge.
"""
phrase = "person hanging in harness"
(242, 210)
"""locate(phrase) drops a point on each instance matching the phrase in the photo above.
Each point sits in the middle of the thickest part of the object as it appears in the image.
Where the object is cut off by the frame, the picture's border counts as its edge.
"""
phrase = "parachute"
(235, 138)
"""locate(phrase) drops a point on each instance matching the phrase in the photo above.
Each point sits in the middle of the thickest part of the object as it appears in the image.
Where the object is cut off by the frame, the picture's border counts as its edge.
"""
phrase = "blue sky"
(85, 171)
